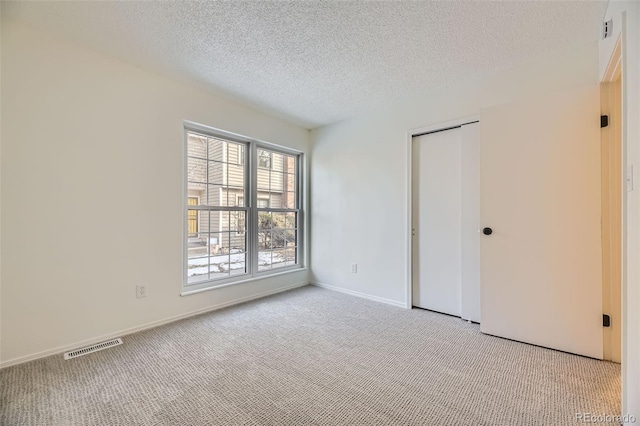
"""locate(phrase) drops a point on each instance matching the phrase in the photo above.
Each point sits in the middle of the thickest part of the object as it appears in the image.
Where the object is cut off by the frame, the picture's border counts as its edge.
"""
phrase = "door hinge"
(606, 321)
(607, 28)
(604, 121)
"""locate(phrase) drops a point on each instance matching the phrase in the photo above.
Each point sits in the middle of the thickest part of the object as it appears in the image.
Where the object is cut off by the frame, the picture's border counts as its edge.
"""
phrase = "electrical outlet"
(354, 268)
(141, 291)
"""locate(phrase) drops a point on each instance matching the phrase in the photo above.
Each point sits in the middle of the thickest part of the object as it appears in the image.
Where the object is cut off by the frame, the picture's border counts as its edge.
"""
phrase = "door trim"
(409, 158)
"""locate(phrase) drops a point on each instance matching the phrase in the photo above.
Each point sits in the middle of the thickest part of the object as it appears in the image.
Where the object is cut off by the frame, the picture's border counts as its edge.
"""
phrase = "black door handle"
(487, 231)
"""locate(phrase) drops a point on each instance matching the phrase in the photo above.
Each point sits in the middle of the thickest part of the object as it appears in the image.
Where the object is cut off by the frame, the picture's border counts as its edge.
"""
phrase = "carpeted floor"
(311, 357)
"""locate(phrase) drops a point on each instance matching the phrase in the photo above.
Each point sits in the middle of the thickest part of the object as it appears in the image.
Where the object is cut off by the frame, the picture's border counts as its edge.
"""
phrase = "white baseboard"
(362, 295)
(153, 324)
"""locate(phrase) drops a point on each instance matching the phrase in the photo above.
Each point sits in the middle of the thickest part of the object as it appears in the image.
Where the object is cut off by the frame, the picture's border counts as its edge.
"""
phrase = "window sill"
(248, 280)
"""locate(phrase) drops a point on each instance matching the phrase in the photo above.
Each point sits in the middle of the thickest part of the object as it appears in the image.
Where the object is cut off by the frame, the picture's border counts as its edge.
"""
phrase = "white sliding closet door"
(445, 219)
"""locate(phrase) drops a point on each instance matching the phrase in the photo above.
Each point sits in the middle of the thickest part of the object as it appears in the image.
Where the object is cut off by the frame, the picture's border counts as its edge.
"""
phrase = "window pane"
(200, 248)
(278, 238)
(289, 200)
(197, 270)
(264, 159)
(219, 267)
(279, 259)
(214, 243)
(231, 196)
(216, 172)
(235, 176)
(278, 219)
(223, 220)
(197, 223)
(290, 257)
(264, 240)
(198, 191)
(264, 220)
(238, 222)
(238, 263)
(219, 259)
(196, 145)
(263, 179)
(291, 237)
(275, 200)
(264, 260)
(239, 154)
(290, 164)
(263, 203)
(276, 182)
(238, 242)
(216, 149)
(291, 220)
(192, 223)
(214, 196)
(290, 182)
(197, 244)
(196, 172)
(278, 161)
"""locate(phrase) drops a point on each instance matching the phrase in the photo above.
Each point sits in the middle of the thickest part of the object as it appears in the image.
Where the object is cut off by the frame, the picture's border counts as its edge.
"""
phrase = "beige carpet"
(311, 357)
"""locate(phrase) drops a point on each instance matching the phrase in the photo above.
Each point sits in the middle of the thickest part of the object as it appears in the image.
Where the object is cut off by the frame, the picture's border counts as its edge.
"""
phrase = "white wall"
(359, 185)
(631, 141)
(359, 192)
(92, 193)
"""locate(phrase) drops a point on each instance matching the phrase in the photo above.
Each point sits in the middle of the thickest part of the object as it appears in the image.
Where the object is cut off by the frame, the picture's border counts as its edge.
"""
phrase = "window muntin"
(234, 236)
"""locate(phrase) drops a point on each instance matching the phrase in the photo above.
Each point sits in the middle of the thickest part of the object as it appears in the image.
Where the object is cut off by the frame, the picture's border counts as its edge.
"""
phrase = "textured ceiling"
(317, 62)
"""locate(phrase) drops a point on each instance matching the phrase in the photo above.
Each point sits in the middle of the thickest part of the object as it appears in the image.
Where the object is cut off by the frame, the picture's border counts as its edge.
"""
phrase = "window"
(242, 209)
(218, 248)
(277, 208)
(264, 159)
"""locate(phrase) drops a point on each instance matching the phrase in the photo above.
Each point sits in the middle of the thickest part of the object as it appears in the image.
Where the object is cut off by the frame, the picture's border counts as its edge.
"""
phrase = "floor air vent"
(93, 348)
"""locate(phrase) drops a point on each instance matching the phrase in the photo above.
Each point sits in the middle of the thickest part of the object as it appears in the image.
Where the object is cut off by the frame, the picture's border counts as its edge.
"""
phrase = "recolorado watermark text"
(604, 418)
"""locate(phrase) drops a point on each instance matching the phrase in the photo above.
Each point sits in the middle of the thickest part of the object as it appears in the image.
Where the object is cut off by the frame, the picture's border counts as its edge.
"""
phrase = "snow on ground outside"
(224, 262)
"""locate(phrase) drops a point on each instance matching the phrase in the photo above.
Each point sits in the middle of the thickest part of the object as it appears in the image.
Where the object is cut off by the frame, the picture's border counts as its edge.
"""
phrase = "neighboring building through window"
(192, 217)
(230, 237)
(264, 159)
(218, 250)
(240, 154)
(277, 211)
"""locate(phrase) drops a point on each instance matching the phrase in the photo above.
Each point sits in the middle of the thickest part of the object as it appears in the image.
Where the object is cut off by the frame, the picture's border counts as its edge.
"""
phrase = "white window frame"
(250, 201)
